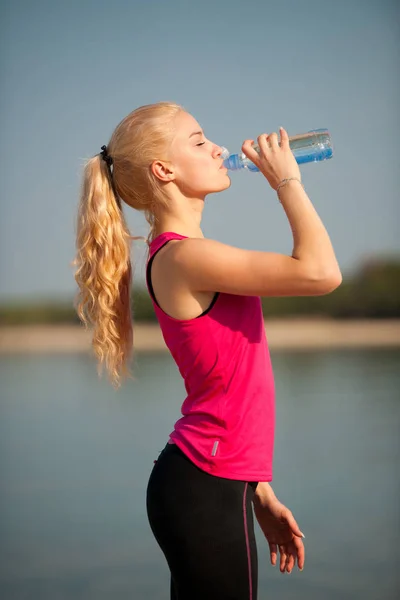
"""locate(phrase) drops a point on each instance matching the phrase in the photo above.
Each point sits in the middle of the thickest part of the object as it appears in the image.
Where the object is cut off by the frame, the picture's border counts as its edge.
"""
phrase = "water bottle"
(315, 145)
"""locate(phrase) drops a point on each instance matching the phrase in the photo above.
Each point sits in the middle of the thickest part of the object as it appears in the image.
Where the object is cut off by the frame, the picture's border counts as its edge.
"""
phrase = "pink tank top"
(228, 416)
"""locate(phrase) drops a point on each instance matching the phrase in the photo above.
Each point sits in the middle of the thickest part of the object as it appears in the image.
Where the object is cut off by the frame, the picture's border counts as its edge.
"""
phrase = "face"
(195, 161)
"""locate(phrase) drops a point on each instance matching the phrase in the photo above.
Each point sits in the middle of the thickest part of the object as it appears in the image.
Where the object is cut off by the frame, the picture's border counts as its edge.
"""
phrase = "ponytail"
(104, 271)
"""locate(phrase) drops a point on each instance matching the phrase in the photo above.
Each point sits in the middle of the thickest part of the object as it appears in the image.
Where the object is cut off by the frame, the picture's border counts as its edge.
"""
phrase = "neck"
(183, 216)
(180, 228)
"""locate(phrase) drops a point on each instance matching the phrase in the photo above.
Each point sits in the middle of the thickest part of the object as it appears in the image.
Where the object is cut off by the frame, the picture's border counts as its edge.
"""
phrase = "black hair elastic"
(106, 156)
(108, 159)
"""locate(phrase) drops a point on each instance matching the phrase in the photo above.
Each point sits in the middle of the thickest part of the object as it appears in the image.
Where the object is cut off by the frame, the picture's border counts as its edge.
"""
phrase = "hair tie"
(105, 156)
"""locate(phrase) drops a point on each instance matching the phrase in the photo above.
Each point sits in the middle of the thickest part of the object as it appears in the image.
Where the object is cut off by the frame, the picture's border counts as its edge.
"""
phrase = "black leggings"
(204, 526)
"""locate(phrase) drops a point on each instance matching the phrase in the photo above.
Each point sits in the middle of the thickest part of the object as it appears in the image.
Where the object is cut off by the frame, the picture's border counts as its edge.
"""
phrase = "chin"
(222, 185)
(227, 183)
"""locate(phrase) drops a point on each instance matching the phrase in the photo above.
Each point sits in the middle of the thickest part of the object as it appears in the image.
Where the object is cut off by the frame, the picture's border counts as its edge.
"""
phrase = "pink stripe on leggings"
(247, 541)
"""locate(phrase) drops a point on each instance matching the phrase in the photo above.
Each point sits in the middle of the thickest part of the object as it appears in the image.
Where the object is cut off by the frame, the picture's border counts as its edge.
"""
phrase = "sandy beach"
(282, 334)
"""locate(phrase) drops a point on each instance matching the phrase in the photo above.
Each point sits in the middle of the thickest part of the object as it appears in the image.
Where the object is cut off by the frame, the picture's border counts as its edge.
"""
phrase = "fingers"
(282, 565)
(289, 553)
(268, 142)
(263, 144)
(273, 158)
(284, 138)
(274, 553)
(299, 548)
(249, 151)
(273, 140)
(287, 559)
(290, 558)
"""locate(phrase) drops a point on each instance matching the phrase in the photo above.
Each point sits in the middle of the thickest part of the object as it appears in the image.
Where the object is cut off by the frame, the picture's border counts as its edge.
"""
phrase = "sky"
(71, 71)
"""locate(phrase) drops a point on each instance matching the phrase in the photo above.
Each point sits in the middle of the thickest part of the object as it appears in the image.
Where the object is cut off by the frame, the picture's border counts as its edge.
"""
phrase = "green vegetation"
(374, 292)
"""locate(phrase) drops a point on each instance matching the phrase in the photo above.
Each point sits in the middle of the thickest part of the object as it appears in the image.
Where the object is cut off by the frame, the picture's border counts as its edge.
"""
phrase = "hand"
(275, 160)
(281, 530)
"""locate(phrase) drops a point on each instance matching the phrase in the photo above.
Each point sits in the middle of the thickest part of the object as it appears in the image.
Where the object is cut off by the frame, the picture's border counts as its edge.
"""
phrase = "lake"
(75, 458)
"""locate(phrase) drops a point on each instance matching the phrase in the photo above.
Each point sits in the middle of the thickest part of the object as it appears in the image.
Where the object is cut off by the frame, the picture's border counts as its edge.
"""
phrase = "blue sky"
(70, 71)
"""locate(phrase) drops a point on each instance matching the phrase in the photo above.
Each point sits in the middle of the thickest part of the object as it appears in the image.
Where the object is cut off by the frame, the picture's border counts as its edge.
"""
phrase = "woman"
(217, 463)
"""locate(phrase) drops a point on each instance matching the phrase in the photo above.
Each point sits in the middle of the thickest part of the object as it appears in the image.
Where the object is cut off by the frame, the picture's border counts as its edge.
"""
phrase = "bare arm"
(311, 242)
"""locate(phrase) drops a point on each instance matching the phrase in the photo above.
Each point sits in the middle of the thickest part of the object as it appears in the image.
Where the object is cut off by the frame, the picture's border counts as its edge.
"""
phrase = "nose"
(220, 152)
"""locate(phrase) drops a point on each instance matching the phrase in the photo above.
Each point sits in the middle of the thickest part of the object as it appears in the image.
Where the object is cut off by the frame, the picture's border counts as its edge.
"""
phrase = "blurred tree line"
(372, 293)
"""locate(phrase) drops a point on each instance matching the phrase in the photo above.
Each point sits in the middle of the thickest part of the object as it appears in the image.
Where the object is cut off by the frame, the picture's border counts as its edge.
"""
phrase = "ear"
(162, 171)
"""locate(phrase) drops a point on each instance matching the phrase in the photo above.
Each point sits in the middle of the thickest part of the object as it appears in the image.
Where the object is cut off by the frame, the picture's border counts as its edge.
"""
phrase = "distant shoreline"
(282, 334)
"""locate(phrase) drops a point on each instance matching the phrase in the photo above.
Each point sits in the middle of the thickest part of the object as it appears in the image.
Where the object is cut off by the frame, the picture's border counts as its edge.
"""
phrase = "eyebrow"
(195, 133)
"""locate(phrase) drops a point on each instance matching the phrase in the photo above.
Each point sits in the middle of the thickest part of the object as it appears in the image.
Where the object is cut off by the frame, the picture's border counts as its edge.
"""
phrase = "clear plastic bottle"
(313, 146)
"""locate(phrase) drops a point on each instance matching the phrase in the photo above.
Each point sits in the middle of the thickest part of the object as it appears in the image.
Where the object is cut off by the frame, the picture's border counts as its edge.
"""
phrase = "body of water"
(75, 457)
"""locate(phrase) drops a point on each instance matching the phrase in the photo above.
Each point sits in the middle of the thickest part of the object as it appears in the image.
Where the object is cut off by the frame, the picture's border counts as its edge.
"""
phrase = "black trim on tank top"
(150, 285)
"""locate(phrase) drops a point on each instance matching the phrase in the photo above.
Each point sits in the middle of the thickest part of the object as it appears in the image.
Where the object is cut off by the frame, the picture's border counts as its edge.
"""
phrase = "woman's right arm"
(311, 270)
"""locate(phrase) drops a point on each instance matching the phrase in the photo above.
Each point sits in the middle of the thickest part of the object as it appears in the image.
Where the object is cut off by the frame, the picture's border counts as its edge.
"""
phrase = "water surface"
(75, 457)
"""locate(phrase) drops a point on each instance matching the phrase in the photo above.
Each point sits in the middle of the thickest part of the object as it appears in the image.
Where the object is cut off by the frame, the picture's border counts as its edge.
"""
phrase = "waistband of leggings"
(174, 448)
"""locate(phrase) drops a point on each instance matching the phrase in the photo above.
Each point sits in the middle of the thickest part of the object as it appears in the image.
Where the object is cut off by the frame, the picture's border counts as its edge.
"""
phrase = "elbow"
(329, 281)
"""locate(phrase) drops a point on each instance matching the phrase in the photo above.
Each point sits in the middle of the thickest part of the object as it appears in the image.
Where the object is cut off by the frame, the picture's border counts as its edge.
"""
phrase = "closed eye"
(201, 143)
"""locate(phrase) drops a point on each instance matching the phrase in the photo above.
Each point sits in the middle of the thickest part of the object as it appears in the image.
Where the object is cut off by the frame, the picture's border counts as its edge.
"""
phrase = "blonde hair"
(104, 270)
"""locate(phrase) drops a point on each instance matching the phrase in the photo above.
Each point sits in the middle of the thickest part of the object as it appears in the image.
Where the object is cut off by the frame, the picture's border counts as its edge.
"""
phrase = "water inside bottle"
(313, 146)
